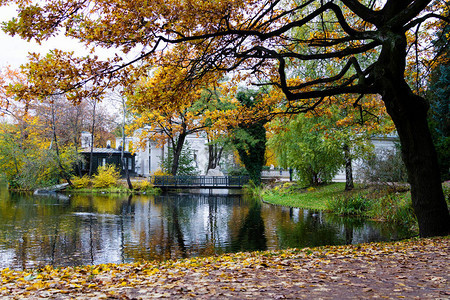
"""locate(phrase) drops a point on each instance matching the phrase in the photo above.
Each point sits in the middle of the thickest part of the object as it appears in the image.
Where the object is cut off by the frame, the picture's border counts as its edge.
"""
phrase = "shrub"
(394, 208)
(81, 182)
(237, 171)
(446, 189)
(287, 184)
(107, 176)
(252, 190)
(160, 172)
(385, 167)
(349, 204)
(143, 185)
(286, 188)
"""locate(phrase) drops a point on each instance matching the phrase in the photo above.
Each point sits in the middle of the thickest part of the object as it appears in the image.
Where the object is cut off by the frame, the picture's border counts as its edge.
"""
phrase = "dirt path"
(417, 269)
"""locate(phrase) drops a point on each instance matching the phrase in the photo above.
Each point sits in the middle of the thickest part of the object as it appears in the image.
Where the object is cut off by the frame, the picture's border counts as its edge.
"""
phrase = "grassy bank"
(290, 194)
(378, 202)
(389, 203)
(332, 197)
(105, 184)
(114, 190)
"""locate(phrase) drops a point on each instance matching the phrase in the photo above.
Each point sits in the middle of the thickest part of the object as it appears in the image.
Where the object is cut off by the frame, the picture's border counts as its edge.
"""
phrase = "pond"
(69, 230)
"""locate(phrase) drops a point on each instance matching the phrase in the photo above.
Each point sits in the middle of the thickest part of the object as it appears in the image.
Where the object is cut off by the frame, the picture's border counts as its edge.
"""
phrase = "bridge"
(199, 182)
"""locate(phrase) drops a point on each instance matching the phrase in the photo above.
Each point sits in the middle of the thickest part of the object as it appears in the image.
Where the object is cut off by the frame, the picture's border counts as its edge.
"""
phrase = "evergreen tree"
(249, 138)
(186, 163)
(438, 95)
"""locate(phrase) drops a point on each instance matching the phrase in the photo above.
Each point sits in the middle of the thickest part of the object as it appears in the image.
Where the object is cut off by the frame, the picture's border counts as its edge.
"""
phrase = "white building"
(199, 147)
(380, 144)
(149, 159)
(86, 139)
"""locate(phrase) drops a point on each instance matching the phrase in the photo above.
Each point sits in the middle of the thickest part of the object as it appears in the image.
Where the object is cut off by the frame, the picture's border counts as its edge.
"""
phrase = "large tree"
(258, 36)
(165, 110)
(249, 137)
(305, 148)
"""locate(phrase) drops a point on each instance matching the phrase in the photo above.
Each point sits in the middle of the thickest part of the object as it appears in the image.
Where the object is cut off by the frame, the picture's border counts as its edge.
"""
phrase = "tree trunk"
(211, 157)
(76, 141)
(124, 162)
(409, 113)
(63, 172)
(177, 148)
(215, 154)
(91, 156)
(421, 163)
(127, 174)
(348, 169)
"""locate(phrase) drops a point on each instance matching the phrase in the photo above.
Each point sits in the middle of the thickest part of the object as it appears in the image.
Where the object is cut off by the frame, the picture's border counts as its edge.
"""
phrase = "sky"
(14, 50)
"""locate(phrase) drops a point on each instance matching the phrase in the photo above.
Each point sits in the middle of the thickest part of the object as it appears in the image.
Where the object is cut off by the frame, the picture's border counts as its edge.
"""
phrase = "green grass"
(349, 204)
(376, 202)
(293, 196)
(394, 208)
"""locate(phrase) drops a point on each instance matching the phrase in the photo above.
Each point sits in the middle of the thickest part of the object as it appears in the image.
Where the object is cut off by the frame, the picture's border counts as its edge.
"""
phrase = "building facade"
(380, 144)
(148, 159)
(104, 156)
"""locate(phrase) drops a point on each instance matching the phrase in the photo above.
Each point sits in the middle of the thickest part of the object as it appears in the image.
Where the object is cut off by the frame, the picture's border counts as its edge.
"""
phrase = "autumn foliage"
(310, 272)
(309, 52)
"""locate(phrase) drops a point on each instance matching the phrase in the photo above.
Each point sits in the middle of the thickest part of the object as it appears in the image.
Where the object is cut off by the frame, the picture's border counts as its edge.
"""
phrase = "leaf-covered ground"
(415, 269)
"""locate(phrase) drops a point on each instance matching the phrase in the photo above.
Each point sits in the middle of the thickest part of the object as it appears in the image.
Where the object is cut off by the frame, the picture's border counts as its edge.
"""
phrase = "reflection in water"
(86, 229)
(312, 230)
(251, 235)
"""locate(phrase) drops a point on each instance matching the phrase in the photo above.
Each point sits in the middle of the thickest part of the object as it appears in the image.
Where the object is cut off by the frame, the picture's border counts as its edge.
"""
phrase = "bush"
(382, 204)
(143, 185)
(81, 182)
(385, 167)
(160, 172)
(395, 208)
(446, 189)
(252, 190)
(107, 176)
(238, 171)
(349, 204)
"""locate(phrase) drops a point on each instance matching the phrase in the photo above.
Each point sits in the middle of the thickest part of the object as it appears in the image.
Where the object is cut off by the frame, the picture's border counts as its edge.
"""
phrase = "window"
(130, 163)
(149, 159)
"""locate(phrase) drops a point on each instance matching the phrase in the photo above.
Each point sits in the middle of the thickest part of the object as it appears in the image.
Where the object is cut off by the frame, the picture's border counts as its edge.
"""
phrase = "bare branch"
(420, 20)
(362, 11)
(403, 16)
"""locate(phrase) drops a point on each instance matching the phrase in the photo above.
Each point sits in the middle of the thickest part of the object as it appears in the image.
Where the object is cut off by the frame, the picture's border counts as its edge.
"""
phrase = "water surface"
(63, 230)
